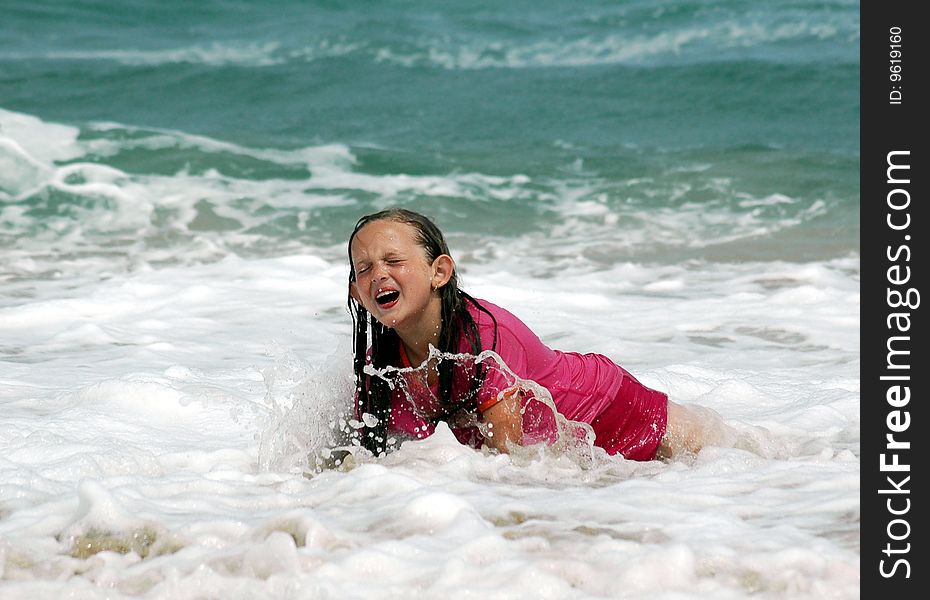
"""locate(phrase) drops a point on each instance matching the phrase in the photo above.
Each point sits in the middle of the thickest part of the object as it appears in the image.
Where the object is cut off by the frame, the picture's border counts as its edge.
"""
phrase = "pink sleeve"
(524, 353)
(520, 349)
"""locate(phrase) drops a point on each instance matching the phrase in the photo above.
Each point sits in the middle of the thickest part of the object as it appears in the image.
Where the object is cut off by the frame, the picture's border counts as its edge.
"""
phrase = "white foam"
(251, 54)
(613, 48)
(28, 146)
(113, 220)
(44, 142)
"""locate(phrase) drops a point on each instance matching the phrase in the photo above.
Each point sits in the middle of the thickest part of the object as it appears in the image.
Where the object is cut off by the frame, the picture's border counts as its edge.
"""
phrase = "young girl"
(404, 298)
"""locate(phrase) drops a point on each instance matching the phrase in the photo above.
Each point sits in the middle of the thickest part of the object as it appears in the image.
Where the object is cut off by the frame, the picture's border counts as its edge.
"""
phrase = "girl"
(404, 298)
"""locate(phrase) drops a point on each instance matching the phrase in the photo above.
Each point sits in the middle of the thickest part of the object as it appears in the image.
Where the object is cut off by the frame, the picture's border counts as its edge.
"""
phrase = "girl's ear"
(353, 291)
(443, 268)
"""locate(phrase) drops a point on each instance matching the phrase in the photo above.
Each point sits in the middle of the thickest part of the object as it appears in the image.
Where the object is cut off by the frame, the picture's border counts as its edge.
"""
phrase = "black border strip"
(894, 368)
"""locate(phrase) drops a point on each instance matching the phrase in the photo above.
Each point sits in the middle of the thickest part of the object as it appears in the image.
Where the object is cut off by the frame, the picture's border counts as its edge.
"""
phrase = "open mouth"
(387, 297)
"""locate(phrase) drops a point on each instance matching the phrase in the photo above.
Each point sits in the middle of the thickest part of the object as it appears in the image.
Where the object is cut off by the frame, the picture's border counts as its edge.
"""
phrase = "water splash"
(545, 431)
(309, 406)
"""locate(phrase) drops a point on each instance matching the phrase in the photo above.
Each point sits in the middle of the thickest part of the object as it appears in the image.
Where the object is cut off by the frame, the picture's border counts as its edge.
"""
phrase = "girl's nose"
(378, 272)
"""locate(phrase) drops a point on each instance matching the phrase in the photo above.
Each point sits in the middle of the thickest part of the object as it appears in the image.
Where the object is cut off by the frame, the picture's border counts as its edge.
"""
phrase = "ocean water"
(674, 184)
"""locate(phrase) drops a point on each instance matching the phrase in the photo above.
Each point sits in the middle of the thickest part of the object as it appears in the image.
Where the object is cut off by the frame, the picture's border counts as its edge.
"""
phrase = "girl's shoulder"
(491, 315)
(500, 321)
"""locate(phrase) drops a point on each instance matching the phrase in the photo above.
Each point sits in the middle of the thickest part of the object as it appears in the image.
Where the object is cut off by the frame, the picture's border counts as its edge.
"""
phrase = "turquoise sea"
(711, 129)
(672, 183)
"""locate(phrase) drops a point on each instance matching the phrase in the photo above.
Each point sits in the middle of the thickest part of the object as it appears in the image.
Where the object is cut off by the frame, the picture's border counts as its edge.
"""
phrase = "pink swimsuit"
(627, 417)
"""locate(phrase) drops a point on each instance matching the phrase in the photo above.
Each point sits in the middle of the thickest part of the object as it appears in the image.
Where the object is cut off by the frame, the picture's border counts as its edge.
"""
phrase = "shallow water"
(180, 405)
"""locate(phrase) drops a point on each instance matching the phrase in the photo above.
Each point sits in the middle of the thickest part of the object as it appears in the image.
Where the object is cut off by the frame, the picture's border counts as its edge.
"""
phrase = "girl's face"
(394, 279)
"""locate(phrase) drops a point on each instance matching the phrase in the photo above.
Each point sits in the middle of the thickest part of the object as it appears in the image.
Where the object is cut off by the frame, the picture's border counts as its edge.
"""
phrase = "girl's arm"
(505, 420)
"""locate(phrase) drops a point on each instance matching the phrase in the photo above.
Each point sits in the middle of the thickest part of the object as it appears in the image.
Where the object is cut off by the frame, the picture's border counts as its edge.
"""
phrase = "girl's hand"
(505, 420)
